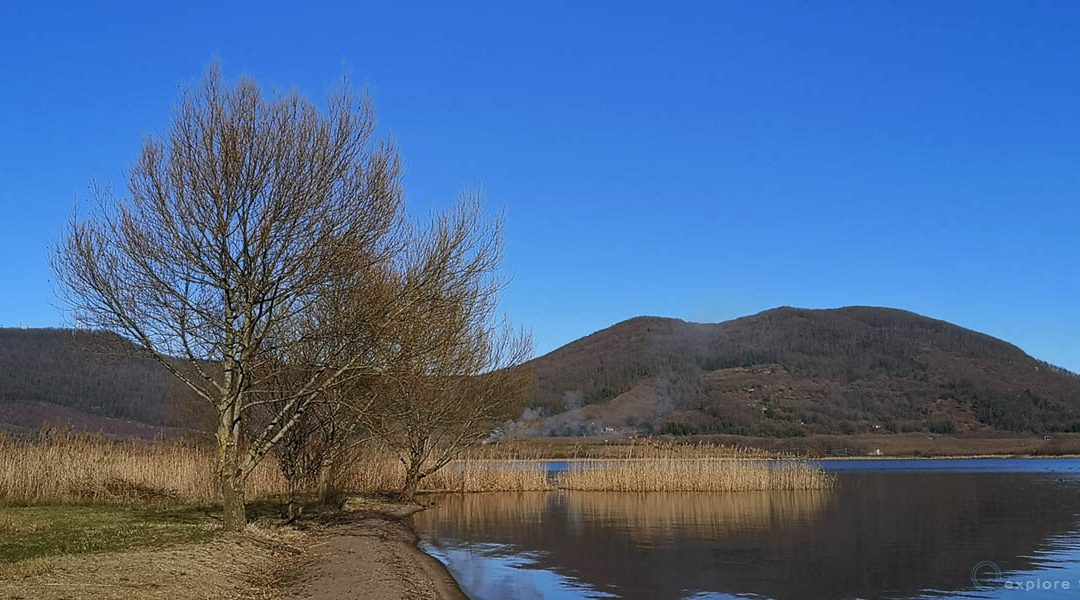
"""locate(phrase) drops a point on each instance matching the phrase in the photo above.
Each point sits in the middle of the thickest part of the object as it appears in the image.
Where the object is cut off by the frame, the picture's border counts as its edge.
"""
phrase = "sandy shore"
(369, 551)
(372, 554)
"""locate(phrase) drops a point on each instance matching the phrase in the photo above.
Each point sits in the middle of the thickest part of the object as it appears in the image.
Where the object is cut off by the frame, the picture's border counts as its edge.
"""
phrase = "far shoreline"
(952, 457)
(977, 444)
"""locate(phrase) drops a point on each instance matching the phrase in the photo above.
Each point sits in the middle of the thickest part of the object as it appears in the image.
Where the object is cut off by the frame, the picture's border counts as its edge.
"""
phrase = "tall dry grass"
(65, 467)
(472, 475)
(59, 466)
(666, 468)
(376, 469)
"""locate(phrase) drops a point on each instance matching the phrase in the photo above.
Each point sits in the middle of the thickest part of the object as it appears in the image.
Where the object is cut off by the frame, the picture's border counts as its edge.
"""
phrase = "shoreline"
(952, 457)
(372, 552)
(777, 458)
(368, 549)
(814, 446)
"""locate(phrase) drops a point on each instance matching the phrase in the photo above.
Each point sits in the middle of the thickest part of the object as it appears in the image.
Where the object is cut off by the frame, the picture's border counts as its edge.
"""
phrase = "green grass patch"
(32, 531)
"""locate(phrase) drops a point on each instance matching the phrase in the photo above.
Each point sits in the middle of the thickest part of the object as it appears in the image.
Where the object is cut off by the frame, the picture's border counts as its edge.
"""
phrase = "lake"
(974, 528)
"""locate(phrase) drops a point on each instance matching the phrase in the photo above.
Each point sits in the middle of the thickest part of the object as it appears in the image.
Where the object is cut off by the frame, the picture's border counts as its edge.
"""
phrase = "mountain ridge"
(781, 372)
(801, 371)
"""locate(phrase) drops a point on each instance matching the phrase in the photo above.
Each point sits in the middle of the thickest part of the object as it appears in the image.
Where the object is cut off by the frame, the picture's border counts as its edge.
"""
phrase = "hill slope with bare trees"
(783, 372)
(89, 381)
(790, 371)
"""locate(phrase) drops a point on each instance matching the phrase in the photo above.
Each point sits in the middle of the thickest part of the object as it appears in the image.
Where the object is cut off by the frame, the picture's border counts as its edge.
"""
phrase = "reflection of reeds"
(659, 515)
(471, 510)
(646, 516)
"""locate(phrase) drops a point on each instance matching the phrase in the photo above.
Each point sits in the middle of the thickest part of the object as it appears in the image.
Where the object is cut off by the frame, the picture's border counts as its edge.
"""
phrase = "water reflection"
(652, 519)
(877, 535)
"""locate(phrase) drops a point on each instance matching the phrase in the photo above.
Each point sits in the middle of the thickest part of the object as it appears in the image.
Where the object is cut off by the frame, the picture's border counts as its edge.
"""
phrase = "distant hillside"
(792, 371)
(783, 372)
(91, 381)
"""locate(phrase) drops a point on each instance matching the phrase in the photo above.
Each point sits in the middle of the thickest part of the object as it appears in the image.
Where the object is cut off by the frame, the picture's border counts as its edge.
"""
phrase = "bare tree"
(318, 447)
(240, 225)
(298, 456)
(448, 380)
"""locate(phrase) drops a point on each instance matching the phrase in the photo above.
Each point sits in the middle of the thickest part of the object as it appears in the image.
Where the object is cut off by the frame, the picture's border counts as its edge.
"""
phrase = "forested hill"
(93, 381)
(782, 372)
(790, 371)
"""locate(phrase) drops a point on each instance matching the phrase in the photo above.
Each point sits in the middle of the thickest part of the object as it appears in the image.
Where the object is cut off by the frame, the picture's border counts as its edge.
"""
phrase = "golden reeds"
(66, 467)
(491, 476)
(659, 468)
(376, 469)
(59, 466)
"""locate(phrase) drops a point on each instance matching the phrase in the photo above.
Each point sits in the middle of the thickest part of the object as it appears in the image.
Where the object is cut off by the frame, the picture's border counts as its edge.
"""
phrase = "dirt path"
(374, 558)
(366, 553)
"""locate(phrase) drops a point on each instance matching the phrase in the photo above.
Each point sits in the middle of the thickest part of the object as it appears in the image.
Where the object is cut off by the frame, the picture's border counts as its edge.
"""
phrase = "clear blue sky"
(704, 161)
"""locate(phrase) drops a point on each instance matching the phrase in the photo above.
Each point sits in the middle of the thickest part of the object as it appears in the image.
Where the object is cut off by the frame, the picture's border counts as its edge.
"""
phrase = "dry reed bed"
(64, 467)
(376, 470)
(698, 468)
(693, 475)
(491, 476)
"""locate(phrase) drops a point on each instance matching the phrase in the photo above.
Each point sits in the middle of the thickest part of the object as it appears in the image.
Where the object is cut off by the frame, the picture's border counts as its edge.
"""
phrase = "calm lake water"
(984, 528)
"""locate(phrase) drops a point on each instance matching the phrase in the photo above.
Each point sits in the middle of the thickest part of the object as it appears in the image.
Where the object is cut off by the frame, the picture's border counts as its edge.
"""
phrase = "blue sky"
(704, 160)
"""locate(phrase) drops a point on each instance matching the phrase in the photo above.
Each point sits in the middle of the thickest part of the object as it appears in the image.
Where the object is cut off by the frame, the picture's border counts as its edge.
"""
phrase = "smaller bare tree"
(315, 451)
(449, 380)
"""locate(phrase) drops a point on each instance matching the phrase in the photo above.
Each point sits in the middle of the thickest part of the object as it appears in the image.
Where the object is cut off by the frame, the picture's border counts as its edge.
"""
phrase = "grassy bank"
(34, 531)
(164, 553)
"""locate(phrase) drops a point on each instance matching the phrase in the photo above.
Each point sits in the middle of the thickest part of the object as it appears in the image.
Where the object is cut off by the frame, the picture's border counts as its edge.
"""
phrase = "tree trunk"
(412, 482)
(230, 475)
(327, 491)
(293, 511)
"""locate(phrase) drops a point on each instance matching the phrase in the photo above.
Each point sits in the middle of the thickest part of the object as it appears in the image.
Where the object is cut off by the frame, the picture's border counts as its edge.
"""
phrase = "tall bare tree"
(448, 379)
(240, 225)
